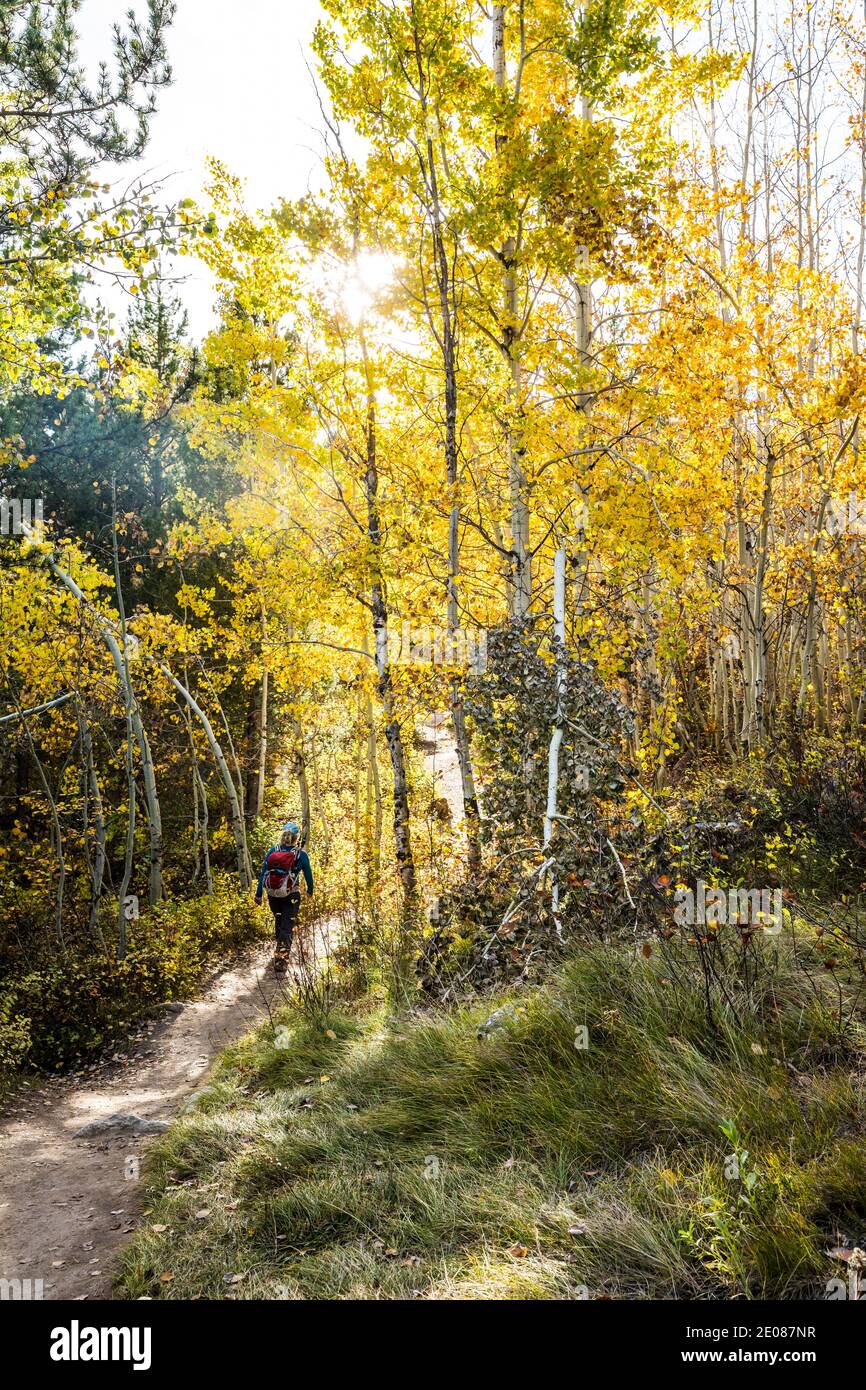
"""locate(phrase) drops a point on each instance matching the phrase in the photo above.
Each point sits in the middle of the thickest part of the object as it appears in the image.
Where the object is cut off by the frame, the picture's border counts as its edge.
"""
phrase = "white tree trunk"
(244, 866)
(148, 775)
(556, 736)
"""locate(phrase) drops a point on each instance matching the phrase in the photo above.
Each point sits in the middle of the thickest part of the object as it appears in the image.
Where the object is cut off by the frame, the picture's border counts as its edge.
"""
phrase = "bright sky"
(241, 92)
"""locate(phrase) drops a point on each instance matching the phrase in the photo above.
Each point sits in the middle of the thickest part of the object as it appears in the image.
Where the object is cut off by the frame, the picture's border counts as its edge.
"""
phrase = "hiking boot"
(281, 963)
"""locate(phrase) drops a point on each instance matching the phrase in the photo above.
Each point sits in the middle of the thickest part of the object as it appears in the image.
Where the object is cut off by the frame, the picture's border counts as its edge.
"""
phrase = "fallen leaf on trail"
(757, 1049)
(166, 1278)
(517, 1252)
(647, 949)
(201, 1215)
(329, 1033)
(57, 1264)
(577, 1230)
(158, 1230)
(232, 1278)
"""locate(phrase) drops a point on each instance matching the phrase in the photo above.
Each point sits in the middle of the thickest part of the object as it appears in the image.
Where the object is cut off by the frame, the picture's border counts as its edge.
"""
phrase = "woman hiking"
(280, 878)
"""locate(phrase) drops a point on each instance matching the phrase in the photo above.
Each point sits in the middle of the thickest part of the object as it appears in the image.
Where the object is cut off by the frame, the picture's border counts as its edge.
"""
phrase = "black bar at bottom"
(225, 1339)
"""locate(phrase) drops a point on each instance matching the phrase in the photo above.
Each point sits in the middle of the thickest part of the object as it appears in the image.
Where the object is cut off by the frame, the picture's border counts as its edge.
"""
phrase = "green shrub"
(14, 1038)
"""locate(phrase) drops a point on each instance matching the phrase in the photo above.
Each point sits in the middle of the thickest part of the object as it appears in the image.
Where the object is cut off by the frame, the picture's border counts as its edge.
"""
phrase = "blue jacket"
(303, 865)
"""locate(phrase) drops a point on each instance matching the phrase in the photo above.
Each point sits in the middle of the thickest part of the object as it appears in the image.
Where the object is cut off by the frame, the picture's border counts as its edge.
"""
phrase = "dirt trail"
(67, 1204)
(440, 760)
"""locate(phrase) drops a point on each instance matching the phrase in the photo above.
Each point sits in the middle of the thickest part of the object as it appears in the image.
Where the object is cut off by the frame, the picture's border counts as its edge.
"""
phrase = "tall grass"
(676, 1154)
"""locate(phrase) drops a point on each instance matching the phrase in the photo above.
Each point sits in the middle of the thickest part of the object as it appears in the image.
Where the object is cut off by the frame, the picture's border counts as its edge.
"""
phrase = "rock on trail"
(120, 1124)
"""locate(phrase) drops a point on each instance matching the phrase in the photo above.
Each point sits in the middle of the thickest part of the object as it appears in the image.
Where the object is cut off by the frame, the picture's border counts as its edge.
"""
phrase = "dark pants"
(285, 912)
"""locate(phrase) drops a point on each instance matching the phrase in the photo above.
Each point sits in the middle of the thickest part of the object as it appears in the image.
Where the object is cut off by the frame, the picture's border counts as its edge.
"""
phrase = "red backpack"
(282, 872)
